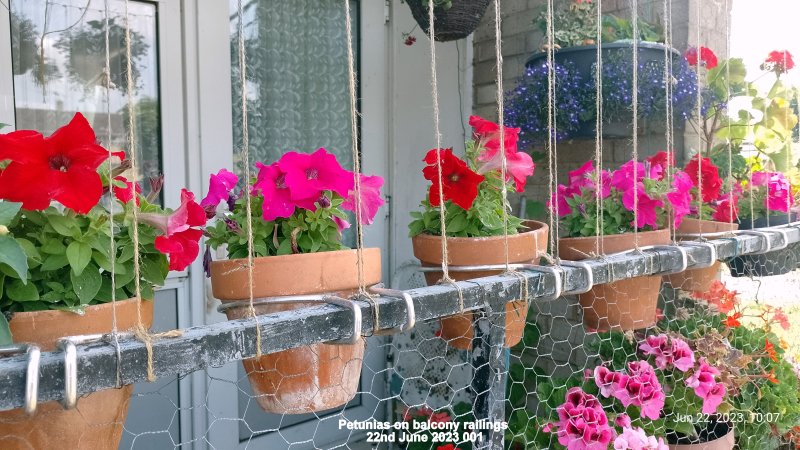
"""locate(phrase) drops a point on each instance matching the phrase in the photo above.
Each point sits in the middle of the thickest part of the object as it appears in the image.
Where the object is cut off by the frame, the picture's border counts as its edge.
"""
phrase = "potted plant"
(452, 19)
(713, 212)
(574, 66)
(60, 248)
(298, 206)
(767, 200)
(627, 304)
(472, 190)
(743, 341)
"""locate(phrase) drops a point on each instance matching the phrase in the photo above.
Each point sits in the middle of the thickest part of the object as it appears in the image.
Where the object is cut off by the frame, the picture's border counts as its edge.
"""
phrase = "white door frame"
(209, 129)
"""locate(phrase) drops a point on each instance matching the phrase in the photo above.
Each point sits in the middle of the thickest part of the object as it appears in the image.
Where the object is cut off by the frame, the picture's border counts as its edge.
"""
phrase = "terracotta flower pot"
(310, 378)
(97, 421)
(725, 442)
(699, 279)
(622, 305)
(525, 247)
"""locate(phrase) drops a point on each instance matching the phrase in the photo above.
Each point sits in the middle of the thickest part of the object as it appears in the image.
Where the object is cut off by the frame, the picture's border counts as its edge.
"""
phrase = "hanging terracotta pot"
(96, 423)
(621, 305)
(310, 378)
(525, 247)
(699, 279)
(772, 263)
(456, 22)
(718, 436)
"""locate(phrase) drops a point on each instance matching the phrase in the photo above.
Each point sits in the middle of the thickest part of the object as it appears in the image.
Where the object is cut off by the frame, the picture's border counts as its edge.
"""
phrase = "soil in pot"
(310, 378)
(525, 247)
(621, 305)
(715, 436)
(699, 279)
(776, 262)
(457, 22)
(97, 421)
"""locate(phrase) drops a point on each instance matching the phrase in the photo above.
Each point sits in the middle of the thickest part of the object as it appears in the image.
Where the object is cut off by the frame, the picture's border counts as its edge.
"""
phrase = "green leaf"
(154, 269)
(79, 255)
(63, 225)
(87, 283)
(11, 253)
(53, 262)
(19, 292)
(5, 331)
(8, 210)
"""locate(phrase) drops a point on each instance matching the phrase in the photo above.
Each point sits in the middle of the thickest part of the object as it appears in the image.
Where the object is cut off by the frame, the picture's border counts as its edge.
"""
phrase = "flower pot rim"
(604, 236)
(292, 256)
(55, 313)
(539, 227)
(610, 46)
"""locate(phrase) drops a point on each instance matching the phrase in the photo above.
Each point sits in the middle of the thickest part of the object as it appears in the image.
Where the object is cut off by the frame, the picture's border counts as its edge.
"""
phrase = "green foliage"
(304, 232)
(57, 259)
(617, 29)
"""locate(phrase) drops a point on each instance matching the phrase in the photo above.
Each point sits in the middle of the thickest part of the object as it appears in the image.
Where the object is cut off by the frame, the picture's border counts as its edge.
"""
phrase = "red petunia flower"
(727, 209)
(459, 183)
(706, 56)
(180, 238)
(61, 167)
(125, 194)
(732, 321)
(447, 447)
(663, 160)
(705, 176)
(778, 61)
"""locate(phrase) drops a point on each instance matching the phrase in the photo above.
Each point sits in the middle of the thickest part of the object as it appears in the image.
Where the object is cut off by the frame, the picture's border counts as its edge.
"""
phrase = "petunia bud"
(156, 184)
(324, 202)
(121, 168)
(207, 262)
(232, 225)
(3, 230)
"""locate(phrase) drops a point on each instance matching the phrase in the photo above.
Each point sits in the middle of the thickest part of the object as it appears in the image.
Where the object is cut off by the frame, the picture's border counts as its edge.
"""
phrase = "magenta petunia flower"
(307, 175)
(371, 199)
(644, 208)
(519, 165)
(623, 180)
(219, 188)
(680, 197)
(278, 202)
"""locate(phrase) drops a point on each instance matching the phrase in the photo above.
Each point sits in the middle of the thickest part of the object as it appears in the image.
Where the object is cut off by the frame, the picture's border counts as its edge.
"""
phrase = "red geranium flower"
(125, 194)
(180, 235)
(706, 57)
(770, 349)
(702, 170)
(61, 167)
(732, 321)
(459, 183)
(778, 61)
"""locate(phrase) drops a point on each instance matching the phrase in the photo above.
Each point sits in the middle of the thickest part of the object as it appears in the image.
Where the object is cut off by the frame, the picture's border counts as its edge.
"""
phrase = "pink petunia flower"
(307, 175)
(519, 165)
(644, 207)
(371, 199)
(681, 196)
(278, 202)
(181, 231)
(219, 188)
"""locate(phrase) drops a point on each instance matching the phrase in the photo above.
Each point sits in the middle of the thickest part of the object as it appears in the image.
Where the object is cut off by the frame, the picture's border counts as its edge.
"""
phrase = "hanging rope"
(351, 74)
(598, 133)
(699, 112)
(112, 244)
(668, 101)
(552, 184)
(245, 152)
(635, 121)
(498, 47)
(729, 147)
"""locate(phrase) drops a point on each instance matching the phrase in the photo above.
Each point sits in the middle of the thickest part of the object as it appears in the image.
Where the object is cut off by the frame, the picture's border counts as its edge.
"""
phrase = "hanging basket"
(457, 22)
(97, 420)
(310, 378)
(525, 247)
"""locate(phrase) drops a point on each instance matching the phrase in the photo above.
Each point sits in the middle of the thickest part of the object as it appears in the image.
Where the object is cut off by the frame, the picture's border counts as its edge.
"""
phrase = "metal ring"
(70, 373)
(31, 374)
(411, 315)
(559, 282)
(763, 234)
(711, 248)
(315, 298)
(589, 276)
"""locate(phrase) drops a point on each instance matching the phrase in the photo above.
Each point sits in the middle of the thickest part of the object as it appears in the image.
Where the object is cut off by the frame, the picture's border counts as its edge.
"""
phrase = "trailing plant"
(472, 189)
(298, 204)
(60, 211)
(657, 197)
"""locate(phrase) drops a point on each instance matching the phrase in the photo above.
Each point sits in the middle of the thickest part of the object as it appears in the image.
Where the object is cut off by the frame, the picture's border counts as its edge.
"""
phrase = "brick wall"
(562, 348)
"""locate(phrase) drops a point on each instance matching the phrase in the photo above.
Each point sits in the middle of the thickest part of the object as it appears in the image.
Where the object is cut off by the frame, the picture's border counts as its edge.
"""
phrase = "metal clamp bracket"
(679, 249)
(411, 315)
(768, 246)
(317, 298)
(551, 270)
(31, 374)
(589, 276)
(69, 346)
(711, 248)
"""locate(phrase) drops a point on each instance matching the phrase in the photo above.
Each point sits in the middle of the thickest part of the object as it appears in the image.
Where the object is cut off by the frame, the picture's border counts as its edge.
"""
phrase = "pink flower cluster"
(519, 165)
(668, 352)
(582, 422)
(301, 180)
(630, 183)
(705, 385)
(779, 191)
(637, 439)
(639, 387)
